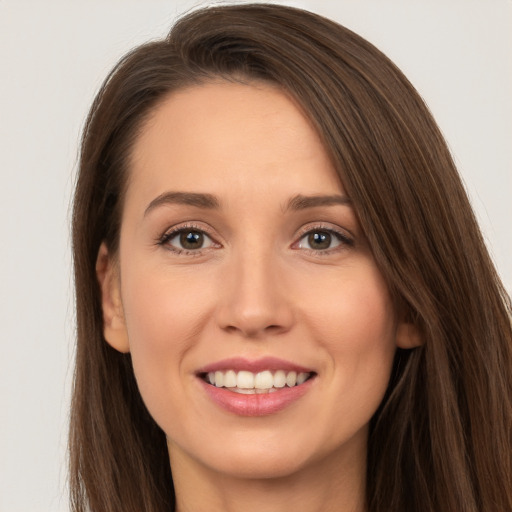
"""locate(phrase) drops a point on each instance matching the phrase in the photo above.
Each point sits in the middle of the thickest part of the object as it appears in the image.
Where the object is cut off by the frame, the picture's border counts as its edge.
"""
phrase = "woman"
(283, 298)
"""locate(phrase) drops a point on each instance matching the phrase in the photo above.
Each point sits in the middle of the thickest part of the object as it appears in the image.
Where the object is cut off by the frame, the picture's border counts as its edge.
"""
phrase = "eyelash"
(187, 228)
(341, 237)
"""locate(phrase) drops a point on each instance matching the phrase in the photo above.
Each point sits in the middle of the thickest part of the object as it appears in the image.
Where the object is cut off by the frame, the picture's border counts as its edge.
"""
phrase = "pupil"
(319, 240)
(191, 240)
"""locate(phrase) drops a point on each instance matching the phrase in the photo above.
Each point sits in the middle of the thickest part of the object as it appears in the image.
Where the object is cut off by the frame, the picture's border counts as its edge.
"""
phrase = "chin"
(262, 467)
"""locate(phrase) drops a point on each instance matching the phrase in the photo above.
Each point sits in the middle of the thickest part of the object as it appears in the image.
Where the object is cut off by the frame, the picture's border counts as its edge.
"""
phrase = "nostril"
(254, 319)
(254, 331)
(276, 330)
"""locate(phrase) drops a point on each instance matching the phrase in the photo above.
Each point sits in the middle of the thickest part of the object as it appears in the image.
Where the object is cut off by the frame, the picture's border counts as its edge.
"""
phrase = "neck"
(335, 483)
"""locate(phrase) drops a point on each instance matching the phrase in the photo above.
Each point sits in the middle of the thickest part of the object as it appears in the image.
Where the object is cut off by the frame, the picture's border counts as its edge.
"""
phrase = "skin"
(255, 288)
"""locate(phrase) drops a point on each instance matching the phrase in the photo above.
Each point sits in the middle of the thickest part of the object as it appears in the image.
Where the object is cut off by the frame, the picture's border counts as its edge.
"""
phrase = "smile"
(246, 382)
(255, 387)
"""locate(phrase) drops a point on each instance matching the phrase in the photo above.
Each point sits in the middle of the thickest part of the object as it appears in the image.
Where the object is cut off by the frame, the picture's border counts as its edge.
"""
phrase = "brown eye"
(191, 240)
(323, 240)
(320, 240)
(187, 240)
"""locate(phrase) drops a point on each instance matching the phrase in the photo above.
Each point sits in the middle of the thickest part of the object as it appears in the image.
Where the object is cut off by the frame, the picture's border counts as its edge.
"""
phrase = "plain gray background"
(53, 56)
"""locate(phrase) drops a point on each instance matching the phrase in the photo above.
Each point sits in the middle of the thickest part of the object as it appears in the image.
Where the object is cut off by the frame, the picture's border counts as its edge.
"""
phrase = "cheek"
(353, 310)
(164, 314)
(355, 324)
(165, 305)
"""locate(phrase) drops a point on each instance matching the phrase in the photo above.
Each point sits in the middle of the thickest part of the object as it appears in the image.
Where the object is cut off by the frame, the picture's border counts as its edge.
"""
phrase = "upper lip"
(253, 365)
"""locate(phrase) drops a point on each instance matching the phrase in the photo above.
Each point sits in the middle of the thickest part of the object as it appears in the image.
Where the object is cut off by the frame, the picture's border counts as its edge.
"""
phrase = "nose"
(253, 301)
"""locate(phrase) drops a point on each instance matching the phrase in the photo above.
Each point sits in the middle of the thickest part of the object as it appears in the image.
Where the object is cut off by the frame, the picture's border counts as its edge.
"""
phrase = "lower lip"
(261, 404)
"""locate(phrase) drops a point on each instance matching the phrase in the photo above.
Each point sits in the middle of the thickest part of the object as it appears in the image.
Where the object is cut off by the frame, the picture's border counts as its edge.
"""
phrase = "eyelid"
(175, 230)
(343, 235)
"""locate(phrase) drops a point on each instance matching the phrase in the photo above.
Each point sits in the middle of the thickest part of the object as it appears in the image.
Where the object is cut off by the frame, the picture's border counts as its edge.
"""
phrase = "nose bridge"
(253, 300)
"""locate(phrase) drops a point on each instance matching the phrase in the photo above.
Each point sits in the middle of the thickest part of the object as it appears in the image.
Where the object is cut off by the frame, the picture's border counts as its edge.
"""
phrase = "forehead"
(206, 137)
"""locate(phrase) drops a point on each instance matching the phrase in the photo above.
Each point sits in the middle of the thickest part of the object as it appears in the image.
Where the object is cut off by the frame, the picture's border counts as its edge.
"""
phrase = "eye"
(187, 240)
(322, 240)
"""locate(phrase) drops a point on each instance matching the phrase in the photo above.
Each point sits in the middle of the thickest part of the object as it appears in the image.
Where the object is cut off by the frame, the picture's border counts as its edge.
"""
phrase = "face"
(261, 331)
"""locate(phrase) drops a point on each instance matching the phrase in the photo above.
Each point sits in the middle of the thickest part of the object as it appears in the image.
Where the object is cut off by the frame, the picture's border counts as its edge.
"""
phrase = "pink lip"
(257, 404)
(255, 366)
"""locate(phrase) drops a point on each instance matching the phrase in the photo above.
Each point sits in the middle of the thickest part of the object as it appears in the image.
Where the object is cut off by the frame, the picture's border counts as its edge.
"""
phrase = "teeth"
(244, 380)
(250, 383)
(301, 378)
(263, 380)
(253, 391)
(219, 379)
(291, 379)
(279, 379)
(230, 379)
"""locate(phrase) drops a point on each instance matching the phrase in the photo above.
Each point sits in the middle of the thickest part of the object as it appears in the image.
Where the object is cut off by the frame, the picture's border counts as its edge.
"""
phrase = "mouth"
(251, 383)
(255, 387)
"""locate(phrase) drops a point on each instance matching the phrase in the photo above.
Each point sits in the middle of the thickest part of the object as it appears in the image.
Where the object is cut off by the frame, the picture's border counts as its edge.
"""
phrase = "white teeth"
(279, 379)
(263, 380)
(230, 379)
(245, 380)
(244, 391)
(253, 391)
(219, 379)
(301, 378)
(250, 383)
(291, 379)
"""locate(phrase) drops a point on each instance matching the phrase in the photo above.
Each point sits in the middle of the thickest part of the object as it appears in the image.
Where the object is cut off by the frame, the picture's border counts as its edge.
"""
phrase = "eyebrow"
(206, 201)
(300, 202)
(210, 202)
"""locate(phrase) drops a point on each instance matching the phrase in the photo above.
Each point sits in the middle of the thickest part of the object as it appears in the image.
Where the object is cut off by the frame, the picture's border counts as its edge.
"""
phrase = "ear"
(114, 327)
(408, 336)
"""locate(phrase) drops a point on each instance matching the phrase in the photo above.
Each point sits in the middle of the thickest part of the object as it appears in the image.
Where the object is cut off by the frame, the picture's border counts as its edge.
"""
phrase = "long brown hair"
(442, 439)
